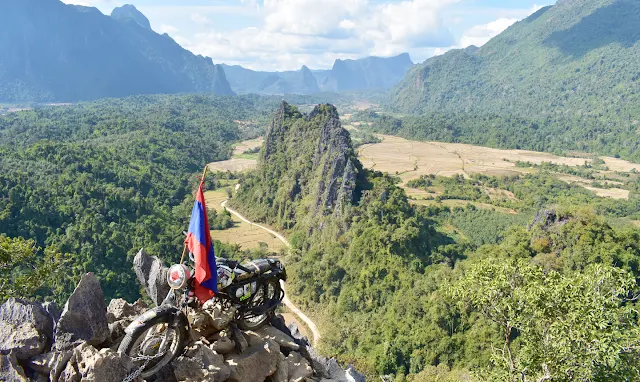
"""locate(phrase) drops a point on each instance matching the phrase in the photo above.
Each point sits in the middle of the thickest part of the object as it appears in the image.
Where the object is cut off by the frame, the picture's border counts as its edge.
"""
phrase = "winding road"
(312, 326)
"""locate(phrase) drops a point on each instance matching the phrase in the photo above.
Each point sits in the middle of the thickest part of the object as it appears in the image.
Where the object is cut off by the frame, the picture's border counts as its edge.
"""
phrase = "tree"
(555, 327)
(25, 272)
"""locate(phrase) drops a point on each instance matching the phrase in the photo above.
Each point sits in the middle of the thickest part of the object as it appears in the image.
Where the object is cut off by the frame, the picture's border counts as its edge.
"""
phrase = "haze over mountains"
(57, 52)
(346, 75)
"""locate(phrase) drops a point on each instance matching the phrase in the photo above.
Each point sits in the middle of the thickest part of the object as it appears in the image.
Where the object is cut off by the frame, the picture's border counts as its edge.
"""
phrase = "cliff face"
(307, 169)
(366, 73)
(52, 51)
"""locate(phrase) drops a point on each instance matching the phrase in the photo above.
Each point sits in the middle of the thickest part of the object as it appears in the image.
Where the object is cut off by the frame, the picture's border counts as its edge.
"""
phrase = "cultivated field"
(243, 234)
(241, 147)
(411, 159)
(239, 161)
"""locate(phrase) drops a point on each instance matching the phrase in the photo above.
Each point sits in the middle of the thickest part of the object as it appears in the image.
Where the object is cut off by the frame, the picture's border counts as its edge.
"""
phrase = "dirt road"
(312, 326)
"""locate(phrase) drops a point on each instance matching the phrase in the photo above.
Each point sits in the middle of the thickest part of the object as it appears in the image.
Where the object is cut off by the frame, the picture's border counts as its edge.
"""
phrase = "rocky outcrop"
(10, 370)
(26, 328)
(84, 318)
(84, 346)
(90, 364)
(129, 12)
(307, 170)
(152, 274)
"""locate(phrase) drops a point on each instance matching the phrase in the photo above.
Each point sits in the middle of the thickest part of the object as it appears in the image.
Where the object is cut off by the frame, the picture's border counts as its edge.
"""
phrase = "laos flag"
(199, 243)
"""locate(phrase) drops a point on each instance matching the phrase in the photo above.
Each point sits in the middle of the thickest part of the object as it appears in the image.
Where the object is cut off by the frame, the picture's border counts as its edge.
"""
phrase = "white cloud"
(169, 29)
(200, 19)
(480, 34)
(315, 33)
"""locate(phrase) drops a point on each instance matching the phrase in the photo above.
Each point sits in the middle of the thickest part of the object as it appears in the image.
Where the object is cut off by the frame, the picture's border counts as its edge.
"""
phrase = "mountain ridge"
(370, 73)
(62, 53)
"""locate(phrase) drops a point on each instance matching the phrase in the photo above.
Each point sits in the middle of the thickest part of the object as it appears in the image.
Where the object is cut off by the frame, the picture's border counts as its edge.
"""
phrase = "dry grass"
(246, 235)
(452, 203)
(241, 147)
(614, 193)
(410, 160)
(233, 165)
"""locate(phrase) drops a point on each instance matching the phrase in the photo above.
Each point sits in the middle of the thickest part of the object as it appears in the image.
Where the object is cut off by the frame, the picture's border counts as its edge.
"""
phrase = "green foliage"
(27, 271)
(558, 327)
(384, 284)
(103, 179)
(566, 78)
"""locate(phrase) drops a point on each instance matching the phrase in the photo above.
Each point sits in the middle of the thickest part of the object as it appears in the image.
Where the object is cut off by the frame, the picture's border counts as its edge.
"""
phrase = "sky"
(286, 34)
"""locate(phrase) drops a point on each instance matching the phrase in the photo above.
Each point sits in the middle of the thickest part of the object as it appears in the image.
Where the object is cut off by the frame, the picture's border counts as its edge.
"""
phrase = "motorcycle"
(248, 295)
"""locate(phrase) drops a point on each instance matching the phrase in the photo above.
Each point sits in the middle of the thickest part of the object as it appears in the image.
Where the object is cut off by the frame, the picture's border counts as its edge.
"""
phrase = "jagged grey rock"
(119, 309)
(200, 363)
(298, 368)
(255, 364)
(10, 370)
(152, 274)
(26, 328)
(90, 364)
(282, 371)
(50, 363)
(84, 318)
(284, 340)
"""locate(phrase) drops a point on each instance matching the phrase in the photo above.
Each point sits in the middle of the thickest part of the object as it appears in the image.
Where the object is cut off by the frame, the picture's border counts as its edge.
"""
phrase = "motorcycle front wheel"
(155, 344)
(270, 291)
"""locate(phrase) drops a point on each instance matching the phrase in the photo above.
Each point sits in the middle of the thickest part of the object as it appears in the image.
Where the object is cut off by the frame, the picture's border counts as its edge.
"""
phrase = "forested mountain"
(371, 73)
(567, 77)
(101, 180)
(57, 52)
(366, 73)
(403, 294)
(292, 82)
(307, 169)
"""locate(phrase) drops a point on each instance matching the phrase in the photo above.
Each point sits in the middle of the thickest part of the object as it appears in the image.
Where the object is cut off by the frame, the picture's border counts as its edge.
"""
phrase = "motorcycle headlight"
(178, 276)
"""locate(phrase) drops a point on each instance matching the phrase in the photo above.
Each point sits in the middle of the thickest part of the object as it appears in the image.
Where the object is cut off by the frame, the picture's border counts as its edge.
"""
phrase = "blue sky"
(286, 34)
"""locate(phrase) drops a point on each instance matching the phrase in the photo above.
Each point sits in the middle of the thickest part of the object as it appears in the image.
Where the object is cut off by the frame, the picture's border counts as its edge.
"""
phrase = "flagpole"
(184, 250)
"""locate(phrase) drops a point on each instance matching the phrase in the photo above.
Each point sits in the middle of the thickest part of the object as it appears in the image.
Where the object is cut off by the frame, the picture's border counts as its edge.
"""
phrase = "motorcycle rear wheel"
(145, 341)
(270, 290)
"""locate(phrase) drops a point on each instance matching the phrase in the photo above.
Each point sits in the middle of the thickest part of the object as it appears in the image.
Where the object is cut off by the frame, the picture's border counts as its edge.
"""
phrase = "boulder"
(90, 364)
(298, 368)
(223, 345)
(84, 318)
(269, 332)
(282, 371)
(255, 364)
(50, 364)
(26, 329)
(119, 309)
(152, 274)
(10, 370)
(200, 363)
(116, 334)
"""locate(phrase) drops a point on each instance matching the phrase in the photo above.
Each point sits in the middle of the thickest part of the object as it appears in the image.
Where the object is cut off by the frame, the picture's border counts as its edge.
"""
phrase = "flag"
(199, 243)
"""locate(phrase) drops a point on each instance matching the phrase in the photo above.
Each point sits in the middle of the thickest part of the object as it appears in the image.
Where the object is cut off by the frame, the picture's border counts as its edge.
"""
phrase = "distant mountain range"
(565, 78)
(51, 51)
(54, 52)
(346, 75)
(578, 57)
